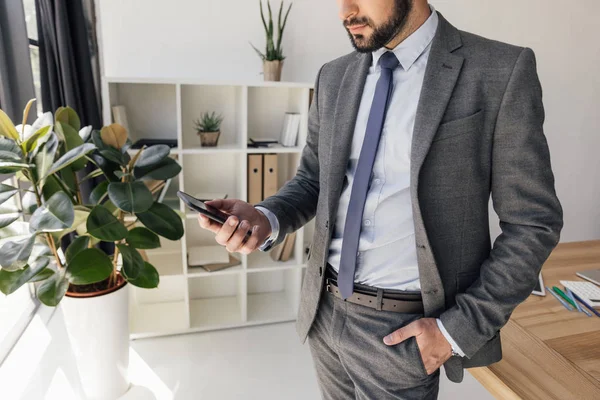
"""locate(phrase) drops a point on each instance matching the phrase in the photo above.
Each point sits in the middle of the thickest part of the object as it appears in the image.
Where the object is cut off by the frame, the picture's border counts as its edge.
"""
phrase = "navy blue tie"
(362, 176)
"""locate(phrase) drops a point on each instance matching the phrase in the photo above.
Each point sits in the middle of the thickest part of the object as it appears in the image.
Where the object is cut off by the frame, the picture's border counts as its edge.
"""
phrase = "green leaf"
(8, 167)
(107, 166)
(110, 153)
(89, 266)
(10, 145)
(33, 139)
(6, 192)
(7, 219)
(50, 187)
(9, 156)
(72, 141)
(45, 157)
(148, 277)
(77, 245)
(132, 197)
(71, 156)
(42, 276)
(94, 174)
(102, 225)
(14, 255)
(85, 132)
(11, 281)
(29, 203)
(152, 156)
(99, 192)
(143, 238)
(162, 220)
(166, 169)
(57, 214)
(53, 289)
(66, 115)
(133, 263)
(7, 128)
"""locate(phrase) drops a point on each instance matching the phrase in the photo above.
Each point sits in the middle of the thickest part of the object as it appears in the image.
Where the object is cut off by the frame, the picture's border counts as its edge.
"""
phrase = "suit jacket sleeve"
(295, 203)
(530, 214)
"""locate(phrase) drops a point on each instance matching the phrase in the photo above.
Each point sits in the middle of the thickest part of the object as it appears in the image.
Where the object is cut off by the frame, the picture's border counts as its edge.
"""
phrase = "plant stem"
(49, 237)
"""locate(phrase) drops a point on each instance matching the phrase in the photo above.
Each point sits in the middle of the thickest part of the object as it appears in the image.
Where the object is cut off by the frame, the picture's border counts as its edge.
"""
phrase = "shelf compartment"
(273, 296)
(159, 311)
(229, 101)
(214, 173)
(166, 262)
(259, 261)
(217, 301)
(267, 107)
(151, 109)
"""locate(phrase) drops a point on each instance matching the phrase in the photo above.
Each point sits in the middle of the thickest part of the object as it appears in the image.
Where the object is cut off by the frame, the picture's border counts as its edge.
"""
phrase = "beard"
(383, 33)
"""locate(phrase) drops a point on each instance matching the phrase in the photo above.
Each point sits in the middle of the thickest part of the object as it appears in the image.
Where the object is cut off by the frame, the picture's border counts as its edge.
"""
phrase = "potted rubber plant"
(208, 127)
(83, 253)
(273, 56)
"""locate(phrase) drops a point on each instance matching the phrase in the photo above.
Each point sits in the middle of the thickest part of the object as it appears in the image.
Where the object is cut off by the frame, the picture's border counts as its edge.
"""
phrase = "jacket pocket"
(459, 127)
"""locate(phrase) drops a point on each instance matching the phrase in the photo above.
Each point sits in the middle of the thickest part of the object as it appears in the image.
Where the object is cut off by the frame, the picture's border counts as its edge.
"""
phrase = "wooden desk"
(549, 352)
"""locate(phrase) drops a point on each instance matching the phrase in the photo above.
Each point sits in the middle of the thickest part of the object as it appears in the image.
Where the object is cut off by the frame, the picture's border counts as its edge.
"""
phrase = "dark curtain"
(16, 79)
(67, 76)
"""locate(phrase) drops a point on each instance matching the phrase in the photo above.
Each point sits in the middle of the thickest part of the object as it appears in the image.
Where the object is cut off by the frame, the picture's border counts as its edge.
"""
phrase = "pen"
(592, 309)
(570, 294)
(564, 296)
(567, 305)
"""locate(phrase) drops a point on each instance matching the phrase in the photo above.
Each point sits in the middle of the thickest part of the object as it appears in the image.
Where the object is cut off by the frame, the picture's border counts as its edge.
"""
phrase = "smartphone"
(211, 212)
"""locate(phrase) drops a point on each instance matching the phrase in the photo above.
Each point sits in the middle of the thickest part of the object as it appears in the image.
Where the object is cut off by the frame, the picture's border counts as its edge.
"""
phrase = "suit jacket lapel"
(346, 110)
(441, 75)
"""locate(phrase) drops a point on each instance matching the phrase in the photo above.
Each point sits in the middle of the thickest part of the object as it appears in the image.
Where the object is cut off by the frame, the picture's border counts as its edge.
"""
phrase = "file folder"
(270, 175)
(255, 178)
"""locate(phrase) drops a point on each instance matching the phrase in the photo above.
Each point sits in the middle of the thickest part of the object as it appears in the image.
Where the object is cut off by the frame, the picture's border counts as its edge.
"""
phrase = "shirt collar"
(409, 50)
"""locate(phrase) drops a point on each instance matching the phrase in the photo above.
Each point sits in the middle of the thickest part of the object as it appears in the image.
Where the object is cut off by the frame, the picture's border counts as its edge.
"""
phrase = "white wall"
(208, 39)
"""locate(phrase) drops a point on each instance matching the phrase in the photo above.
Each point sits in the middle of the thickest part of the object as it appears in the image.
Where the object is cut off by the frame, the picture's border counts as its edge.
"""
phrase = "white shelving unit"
(259, 290)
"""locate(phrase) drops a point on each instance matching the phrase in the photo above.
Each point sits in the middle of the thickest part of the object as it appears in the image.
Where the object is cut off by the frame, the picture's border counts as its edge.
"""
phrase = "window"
(34, 50)
(17, 309)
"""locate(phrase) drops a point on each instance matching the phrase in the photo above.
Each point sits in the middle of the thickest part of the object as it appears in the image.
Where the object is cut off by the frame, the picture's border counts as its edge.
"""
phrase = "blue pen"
(579, 308)
(564, 303)
(592, 309)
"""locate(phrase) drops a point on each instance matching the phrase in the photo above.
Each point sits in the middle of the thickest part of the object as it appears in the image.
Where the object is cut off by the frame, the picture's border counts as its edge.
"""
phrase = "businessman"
(407, 137)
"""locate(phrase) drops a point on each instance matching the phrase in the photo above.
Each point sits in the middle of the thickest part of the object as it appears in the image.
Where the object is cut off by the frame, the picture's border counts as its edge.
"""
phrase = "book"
(263, 140)
(202, 255)
(120, 117)
(219, 266)
(289, 133)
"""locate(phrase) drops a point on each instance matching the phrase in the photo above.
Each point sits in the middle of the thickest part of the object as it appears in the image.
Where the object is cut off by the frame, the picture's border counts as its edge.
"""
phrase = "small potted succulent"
(209, 128)
(273, 56)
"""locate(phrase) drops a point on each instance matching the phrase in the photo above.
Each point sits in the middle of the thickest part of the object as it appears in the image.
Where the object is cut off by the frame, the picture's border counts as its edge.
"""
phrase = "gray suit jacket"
(478, 130)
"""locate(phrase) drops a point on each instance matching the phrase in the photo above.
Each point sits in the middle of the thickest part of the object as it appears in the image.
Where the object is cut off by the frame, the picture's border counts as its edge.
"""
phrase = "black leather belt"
(377, 298)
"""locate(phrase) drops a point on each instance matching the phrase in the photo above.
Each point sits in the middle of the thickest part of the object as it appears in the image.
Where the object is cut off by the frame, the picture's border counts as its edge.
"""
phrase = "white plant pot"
(98, 330)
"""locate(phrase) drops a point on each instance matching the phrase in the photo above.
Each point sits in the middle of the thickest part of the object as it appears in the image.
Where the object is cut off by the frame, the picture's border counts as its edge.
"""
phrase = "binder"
(270, 175)
(255, 177)
(276, 251)
(288, 248)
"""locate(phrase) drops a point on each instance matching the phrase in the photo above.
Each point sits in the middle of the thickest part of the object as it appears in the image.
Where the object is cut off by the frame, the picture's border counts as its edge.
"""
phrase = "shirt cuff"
(455, 347)
(274, 227)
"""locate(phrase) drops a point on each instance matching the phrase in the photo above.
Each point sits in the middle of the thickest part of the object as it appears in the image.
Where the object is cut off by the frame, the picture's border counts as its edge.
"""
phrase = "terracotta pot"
(209, 139)
(272, 70)
(98, 329)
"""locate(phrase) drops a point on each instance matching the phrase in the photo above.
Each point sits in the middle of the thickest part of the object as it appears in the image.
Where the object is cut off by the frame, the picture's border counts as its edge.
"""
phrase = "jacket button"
(326, 224)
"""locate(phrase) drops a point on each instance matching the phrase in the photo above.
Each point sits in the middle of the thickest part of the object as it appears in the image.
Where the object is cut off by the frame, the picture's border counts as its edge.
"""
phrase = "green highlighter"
(564, 296)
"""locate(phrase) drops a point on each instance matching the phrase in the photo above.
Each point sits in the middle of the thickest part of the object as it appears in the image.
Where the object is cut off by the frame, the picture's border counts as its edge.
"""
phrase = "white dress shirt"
(387, 256)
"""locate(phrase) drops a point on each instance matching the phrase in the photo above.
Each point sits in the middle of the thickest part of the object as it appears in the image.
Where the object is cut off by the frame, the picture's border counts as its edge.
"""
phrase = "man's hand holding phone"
(230, 234)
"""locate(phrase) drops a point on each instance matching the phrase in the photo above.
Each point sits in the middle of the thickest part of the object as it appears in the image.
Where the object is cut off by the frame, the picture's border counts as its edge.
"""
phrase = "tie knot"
(389, 60)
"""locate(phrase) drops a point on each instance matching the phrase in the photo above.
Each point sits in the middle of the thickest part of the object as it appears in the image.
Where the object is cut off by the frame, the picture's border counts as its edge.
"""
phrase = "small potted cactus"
(209, 128)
